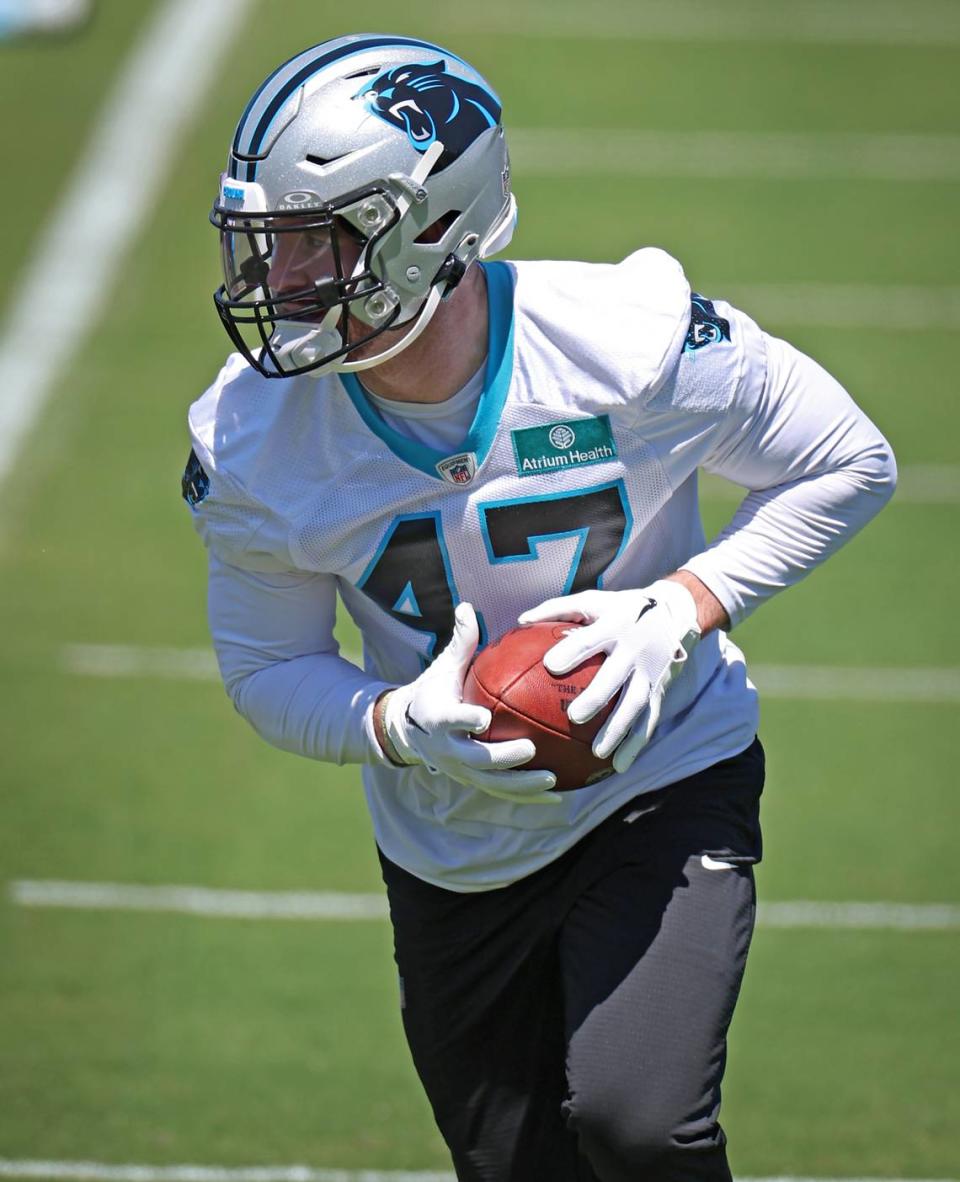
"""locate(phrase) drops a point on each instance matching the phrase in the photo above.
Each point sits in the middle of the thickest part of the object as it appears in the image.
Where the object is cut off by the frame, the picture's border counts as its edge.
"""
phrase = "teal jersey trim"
(496, 382)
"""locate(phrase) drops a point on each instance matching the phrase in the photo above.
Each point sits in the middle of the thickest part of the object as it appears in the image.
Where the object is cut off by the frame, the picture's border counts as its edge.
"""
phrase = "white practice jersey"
(606, 388)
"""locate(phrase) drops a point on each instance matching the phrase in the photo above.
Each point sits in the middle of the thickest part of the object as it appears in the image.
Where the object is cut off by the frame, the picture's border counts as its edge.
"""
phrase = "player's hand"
(427, 722)
(647, 635)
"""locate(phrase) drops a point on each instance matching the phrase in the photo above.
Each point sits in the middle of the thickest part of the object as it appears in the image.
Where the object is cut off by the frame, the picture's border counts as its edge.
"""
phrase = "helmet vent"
(321, 160)
(364, 73)
(436, 230)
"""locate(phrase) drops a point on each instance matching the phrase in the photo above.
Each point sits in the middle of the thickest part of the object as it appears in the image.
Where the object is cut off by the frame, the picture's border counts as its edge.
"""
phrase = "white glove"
(647, 635)
(427, 722)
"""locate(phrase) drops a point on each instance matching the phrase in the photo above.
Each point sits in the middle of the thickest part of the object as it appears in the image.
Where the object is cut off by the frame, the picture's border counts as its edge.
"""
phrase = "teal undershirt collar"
(496, 382)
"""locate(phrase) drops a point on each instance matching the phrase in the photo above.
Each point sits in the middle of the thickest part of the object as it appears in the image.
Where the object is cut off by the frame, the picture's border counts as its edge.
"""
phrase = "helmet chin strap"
(497, 239)
(423, 318)
(302, 348)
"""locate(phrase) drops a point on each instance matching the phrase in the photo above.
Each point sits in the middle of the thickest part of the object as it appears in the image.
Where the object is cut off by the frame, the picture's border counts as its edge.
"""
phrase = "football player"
(453, 444)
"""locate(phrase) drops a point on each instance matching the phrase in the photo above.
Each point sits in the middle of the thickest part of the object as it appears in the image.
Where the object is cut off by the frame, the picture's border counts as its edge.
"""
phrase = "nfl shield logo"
(459, 469)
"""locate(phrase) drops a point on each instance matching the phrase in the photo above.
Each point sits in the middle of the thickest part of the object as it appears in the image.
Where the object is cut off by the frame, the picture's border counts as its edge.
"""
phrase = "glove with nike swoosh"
(647, 636)
(427, 722)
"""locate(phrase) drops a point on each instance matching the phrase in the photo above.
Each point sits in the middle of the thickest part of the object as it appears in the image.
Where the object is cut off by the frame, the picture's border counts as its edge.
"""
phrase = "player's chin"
(377, 344)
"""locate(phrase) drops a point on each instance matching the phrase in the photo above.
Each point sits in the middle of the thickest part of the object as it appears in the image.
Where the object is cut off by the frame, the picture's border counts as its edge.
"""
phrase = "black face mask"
(260, 250)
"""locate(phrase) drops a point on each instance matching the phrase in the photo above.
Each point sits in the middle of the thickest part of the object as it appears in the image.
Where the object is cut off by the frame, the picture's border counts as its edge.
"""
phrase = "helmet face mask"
(365, 177)
(262, 313)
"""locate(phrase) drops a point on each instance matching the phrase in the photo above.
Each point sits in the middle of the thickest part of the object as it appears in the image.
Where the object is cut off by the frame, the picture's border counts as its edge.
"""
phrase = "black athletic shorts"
(572, 1026)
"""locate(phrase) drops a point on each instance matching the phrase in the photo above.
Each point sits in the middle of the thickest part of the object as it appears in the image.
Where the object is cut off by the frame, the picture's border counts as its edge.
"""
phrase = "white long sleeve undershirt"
(818, 471)
(312, 703)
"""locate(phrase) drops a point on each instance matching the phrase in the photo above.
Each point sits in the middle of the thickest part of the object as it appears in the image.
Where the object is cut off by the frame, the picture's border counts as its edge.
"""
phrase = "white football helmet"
(365, 176)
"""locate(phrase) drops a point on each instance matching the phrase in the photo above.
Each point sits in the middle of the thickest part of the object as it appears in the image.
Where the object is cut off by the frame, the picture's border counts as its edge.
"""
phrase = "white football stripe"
(93, 1171)
(335, 905)
(928, 484)
(933, 23)
(846, 305)
(906, 917)
(89, 1171)
(714, 155)
(917, 484)
(828, 682)
(824, 682)
(193, 900)
(124, 660)
(119, 179)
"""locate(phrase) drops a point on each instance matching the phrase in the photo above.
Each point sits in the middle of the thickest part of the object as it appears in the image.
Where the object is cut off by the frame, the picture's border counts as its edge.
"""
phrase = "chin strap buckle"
(450, 274)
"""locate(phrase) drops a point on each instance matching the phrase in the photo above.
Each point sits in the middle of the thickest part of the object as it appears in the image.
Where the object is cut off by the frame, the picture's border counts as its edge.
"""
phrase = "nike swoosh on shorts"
(709, 863)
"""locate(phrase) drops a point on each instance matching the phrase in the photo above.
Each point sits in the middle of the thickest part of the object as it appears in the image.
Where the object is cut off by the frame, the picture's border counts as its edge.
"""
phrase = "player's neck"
(446, 356)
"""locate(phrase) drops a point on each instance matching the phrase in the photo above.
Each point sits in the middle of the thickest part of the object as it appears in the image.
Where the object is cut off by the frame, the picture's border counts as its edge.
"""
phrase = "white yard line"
(830, 683)
(846, 305)
(929, 484)
(120, 177)
(192, 900)
(92, 1171)
(905, 917)
(917, 484)
(89, 1171)
(930, 23)
(825, 682)
(334, 905)
(739, 155)
(124, 660)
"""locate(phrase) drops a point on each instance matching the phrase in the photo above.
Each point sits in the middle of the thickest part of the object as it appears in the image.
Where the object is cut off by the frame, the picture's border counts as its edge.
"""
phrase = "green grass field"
(159, 1038)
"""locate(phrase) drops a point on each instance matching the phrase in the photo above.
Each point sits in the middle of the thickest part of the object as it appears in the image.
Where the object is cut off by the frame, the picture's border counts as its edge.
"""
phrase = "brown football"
(528, 702)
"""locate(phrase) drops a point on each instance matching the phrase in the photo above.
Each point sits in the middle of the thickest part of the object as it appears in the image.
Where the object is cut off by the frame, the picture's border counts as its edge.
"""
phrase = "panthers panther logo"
(707, 327)
(429, 104)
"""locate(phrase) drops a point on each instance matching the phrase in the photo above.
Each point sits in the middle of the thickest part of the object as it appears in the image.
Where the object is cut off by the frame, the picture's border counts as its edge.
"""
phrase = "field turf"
(160, 1038)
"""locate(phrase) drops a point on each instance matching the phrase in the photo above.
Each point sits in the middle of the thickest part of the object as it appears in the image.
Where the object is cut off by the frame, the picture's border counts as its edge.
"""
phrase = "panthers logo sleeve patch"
(195, 483)
(707, 327)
